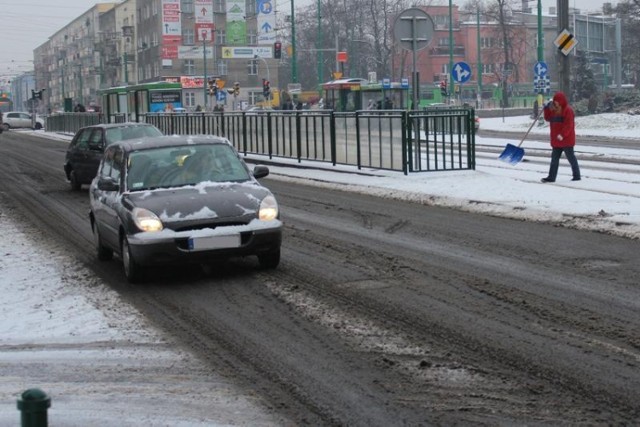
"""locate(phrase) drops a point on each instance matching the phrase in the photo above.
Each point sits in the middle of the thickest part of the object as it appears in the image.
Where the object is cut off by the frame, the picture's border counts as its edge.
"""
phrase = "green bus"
(128, 103)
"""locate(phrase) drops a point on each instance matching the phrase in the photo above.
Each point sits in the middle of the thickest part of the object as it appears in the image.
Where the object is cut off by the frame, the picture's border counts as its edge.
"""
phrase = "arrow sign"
(461, 72)
(540, 69)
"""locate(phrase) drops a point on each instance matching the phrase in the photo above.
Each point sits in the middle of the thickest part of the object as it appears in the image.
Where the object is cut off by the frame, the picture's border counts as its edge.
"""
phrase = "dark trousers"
(555, 162)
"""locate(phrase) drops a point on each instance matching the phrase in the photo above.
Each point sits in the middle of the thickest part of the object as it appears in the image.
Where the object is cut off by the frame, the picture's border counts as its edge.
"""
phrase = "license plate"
(214, 242)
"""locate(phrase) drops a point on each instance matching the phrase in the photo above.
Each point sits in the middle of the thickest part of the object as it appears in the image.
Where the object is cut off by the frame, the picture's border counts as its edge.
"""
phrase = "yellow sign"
(565, 42)
(337, 75)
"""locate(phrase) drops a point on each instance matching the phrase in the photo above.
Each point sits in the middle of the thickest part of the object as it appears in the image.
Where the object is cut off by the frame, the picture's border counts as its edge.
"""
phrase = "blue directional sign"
(540, 69)
(461, 72)
(221, 95)
(386, 83)
(404, 83)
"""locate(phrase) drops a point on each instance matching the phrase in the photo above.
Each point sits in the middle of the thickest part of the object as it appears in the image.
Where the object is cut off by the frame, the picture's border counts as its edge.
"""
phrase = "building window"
(154, 8)
(154, 41)
(252, 37)
(254, 97)
(189, 67)
(187, 6)
(188, 36)
(189, 99)
(443, 41)
(487, 42)
(221, 37)
(223, 68)
(252, 67)
(488, 68)
(218, 6)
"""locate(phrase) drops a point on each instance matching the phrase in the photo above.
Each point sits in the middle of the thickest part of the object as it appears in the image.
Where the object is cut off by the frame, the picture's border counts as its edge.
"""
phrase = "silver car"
(20, 119)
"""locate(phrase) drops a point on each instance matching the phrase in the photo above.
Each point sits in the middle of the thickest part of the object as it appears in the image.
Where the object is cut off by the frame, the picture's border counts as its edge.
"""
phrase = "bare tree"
(362, 28)
(509, 35)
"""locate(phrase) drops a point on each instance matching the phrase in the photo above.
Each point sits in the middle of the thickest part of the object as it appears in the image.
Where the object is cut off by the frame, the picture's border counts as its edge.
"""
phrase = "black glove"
(548, 103)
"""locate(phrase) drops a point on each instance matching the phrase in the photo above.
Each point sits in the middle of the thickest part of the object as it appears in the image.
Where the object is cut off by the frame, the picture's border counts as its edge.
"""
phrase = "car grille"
(212, 225)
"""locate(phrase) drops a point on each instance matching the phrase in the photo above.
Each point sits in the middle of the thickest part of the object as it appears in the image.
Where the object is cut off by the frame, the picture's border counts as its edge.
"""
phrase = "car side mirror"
(260, 171)
(95, 146)
(107, 183)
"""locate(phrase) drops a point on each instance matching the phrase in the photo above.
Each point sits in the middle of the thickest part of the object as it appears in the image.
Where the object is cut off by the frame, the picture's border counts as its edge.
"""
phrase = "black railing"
(399, 140)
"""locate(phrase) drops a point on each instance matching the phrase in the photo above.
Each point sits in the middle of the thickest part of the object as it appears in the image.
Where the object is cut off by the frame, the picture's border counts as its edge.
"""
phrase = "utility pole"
(563, 60)
(294, 66)
(540, 47)
(479, 96)
(450, 45)
(319, 53)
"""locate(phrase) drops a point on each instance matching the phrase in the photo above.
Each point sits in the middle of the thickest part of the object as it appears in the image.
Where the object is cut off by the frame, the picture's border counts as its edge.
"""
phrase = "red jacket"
(562, 123)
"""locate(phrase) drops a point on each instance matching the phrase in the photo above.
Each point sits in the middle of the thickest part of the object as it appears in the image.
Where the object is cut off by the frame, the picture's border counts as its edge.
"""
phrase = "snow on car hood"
(207, 200)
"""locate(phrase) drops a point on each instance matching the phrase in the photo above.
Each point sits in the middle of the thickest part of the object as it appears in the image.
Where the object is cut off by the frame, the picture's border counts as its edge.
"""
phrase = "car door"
(77, 153)
(24, 120)
(93, 155)
(104, 202)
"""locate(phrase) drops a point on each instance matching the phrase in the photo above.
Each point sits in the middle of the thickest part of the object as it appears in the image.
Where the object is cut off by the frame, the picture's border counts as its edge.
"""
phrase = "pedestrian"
(560, 116)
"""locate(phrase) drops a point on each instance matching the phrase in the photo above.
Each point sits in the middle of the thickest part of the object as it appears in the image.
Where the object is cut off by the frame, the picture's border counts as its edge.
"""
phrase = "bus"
(6, 104)
(352, 94)
(128, 103)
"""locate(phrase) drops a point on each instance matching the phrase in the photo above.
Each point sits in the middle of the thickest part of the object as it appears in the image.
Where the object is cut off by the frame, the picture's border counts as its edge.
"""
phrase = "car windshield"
(188, 165)
(130, 132)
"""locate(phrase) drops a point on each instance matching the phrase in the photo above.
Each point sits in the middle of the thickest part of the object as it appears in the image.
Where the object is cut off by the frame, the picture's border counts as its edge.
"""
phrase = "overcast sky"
(28, 24)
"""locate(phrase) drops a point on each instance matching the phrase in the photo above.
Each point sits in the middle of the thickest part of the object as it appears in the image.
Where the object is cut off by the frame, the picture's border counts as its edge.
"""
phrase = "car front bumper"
(169, 247)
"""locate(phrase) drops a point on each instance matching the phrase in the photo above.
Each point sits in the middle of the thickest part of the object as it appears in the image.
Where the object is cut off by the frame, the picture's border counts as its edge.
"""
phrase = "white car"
(20, 119)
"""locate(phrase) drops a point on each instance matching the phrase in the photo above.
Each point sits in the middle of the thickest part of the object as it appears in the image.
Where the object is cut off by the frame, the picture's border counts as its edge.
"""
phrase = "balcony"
(444, 50)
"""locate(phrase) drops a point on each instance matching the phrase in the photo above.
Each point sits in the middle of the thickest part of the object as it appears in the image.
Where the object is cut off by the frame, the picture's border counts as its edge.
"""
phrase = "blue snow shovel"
(513, 154)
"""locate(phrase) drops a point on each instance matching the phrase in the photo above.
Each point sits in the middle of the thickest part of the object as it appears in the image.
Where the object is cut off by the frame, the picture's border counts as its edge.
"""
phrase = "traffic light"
(277, 50)
(266, 88)
(236, 88)
(443, 87)
(213, 87)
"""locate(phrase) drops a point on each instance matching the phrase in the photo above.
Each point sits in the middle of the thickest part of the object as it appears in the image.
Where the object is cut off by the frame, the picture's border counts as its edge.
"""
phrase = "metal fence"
(399, 140)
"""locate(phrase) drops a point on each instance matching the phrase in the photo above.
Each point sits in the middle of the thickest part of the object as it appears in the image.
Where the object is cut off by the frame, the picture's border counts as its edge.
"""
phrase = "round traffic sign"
(413, 29)
(461, 72)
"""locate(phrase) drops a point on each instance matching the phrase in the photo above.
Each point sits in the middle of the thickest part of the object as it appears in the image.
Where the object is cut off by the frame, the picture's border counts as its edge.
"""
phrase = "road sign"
(565, 42)
(540, 69)
(204, 26)
(541, 84)
(461, 72)
(413, 29)
(404, 83)
(386, 83)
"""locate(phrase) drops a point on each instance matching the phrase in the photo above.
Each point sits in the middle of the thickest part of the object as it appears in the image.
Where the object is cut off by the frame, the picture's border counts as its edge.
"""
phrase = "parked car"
(88, 144)
(175, 200)
(20, 119)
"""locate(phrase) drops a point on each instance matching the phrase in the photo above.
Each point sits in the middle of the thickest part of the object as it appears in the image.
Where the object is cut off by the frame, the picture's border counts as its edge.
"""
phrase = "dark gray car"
(181, 199)
(88, 144)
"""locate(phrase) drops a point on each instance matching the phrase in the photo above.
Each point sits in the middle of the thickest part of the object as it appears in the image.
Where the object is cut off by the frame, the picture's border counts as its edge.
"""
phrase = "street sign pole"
(413, 30)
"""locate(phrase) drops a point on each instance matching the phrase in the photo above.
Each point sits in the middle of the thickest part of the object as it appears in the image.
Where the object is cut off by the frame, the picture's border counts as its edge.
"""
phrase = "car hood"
(202, 205)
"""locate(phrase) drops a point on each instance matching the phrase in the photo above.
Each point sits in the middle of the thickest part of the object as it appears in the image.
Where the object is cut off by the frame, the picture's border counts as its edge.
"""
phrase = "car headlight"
(268, 209)
(146, 220)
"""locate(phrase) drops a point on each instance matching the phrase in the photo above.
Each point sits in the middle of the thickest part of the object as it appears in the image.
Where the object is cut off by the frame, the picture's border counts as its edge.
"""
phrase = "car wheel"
(270, 260)
(38, 126)
(102, 252)
(73, 180)
(6, 126)
(132, 270)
